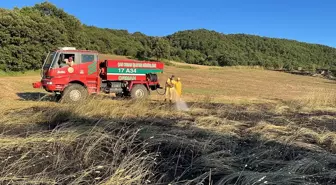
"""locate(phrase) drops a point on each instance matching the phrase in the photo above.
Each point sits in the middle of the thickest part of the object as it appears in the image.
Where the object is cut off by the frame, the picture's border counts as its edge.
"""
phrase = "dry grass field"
(244, 126)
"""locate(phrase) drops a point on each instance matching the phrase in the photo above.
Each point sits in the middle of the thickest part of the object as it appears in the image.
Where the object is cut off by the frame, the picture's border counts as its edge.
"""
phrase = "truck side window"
(87, 58)
(67, 59)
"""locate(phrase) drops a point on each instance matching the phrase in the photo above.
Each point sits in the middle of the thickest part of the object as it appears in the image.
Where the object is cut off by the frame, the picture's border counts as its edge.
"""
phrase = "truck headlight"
(49, 83)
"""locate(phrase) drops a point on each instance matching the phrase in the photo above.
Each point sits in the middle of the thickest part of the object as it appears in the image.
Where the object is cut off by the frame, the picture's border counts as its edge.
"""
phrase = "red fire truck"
(89, 75)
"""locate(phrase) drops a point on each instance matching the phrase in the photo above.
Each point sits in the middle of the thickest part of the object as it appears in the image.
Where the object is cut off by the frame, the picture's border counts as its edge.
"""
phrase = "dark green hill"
(27, 34)
(210, 47)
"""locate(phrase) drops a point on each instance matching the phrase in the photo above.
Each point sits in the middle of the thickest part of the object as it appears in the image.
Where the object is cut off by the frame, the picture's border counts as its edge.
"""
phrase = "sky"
(311, 21)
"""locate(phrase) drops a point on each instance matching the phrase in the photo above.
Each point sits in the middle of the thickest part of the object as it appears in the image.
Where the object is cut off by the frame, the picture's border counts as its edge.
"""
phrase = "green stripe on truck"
(132, 71)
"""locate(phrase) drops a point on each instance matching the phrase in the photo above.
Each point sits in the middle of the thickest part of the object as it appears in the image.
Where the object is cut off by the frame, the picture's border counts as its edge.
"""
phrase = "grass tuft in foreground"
(103, 141)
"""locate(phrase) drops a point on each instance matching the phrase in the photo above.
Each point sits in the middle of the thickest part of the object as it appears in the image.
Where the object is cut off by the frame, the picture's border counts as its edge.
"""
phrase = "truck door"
(63, 69)
(90, 71)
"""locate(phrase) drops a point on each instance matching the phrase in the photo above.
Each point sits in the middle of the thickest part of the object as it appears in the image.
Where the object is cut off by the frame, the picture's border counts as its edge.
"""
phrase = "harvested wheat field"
(244, 126)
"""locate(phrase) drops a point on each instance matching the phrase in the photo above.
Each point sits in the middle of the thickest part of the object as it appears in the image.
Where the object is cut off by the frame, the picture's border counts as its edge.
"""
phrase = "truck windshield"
(49, 60)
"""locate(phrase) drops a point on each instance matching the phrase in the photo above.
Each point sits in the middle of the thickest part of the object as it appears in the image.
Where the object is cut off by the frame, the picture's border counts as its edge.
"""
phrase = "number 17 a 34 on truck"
(74, 74)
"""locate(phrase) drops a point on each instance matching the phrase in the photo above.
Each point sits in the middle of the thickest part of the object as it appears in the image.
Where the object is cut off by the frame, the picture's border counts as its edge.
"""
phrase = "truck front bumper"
(37, 85)
(47, 85)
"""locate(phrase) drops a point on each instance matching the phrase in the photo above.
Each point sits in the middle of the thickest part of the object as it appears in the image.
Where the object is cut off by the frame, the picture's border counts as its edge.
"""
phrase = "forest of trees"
(27, 34)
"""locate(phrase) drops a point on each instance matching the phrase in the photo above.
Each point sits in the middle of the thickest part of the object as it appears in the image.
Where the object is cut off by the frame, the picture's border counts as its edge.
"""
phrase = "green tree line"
(27, 34)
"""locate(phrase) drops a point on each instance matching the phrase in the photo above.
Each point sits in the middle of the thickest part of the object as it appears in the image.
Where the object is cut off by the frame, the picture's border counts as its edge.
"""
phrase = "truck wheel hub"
(75, 95)
(139, 93)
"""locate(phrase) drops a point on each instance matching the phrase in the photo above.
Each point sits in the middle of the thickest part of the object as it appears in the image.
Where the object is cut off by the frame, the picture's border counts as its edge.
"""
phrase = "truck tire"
(74, 93)
(139, 92)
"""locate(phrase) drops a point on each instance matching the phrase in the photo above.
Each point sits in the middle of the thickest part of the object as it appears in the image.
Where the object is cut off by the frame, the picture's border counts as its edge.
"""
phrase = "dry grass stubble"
(262, 133)
(103, 141)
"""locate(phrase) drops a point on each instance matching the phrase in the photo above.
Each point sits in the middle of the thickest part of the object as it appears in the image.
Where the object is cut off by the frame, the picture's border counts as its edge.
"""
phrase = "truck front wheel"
(74, 93)
(139, 92)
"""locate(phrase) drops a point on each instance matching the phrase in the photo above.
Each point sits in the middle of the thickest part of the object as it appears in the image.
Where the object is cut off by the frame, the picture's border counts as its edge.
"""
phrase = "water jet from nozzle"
(181, 105)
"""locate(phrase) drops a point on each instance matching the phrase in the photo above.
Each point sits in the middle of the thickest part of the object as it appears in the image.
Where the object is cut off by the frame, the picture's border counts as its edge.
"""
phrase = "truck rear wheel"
(139, 92)
(74, 93)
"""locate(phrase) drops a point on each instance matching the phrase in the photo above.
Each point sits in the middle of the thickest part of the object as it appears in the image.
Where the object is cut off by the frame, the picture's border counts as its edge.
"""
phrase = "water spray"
(180, 104)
